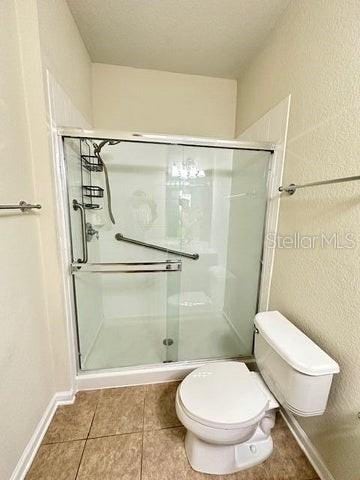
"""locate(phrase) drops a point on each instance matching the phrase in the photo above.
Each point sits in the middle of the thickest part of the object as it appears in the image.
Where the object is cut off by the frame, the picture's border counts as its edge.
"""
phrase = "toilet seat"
(223, 395)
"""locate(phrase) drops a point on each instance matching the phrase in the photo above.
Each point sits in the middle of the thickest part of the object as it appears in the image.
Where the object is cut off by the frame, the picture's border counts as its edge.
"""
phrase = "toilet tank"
(297, 371)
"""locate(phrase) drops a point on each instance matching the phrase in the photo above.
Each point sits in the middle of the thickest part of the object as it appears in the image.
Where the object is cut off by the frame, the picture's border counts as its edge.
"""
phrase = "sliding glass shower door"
(122, 289)
(222, 217)
(166, 245)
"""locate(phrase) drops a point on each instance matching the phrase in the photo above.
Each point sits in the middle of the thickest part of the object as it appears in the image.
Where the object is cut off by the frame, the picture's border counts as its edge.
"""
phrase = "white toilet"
(229, 411)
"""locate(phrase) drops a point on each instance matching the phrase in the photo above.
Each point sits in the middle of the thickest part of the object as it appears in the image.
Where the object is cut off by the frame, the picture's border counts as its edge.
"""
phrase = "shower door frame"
(151, 373)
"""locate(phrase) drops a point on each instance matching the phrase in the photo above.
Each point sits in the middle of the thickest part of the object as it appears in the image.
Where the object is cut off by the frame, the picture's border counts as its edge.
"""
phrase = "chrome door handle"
(78, 206)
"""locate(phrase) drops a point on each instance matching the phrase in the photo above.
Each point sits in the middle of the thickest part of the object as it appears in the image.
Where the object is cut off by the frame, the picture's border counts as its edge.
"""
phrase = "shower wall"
(64, 54)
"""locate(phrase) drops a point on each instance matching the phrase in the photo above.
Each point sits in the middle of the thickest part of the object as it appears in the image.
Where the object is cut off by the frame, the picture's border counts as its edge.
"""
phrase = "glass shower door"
(176, 275)
(223, 198)
(125, 291)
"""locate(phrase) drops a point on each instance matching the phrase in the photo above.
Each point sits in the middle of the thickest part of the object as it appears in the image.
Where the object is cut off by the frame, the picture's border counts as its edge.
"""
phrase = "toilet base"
(224, 459)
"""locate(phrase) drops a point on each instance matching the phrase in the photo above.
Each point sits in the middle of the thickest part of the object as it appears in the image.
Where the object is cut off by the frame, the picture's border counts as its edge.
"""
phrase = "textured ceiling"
(205, 37)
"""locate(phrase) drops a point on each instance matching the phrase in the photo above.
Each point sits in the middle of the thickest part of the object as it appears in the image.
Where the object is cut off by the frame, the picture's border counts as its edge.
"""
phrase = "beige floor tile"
(59, 461)
(164, 456)
(288, 462)
(286, 442)
(304, 469)
(112, 458)
(160, 406)
(118, 416)
(120, 410)
(254, 473)
(289, 448)
(72, 422)
(280, 467)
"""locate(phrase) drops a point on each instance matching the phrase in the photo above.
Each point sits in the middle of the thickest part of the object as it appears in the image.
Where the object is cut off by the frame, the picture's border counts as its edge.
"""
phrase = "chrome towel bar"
(23, 206)
(291, 189)
(170, 266)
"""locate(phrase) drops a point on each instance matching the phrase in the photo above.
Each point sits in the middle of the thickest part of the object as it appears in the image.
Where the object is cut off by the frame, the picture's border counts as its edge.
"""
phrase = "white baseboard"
(65, 398)
(306, 445)
(26, 459)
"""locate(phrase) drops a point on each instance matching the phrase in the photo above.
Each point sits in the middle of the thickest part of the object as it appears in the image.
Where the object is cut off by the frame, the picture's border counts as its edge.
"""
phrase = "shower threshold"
(146, 374)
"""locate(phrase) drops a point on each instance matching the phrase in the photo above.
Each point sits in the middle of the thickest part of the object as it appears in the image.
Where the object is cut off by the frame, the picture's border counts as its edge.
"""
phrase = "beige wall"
(135, 99)
(64, 53)
(34, 350)
(313, 54)
(43, 174)
(26, 364)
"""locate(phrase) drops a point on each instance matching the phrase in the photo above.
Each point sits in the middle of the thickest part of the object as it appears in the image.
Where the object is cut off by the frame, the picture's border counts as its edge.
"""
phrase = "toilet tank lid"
(293, 345)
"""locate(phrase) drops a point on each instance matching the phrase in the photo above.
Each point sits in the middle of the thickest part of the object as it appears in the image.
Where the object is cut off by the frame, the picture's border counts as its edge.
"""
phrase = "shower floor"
(139, 341)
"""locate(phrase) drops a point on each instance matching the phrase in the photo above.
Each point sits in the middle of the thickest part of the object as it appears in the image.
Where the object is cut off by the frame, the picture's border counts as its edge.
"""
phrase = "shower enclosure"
(166, 242)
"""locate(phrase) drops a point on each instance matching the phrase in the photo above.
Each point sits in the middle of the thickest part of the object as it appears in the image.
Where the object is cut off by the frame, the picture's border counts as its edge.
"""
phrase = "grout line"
(82, 454)
(65, 441)
(114, 435)
(91, 424)
(128, 433)
(92, 421)
(74, 439)
(164, 428)
(93, 418)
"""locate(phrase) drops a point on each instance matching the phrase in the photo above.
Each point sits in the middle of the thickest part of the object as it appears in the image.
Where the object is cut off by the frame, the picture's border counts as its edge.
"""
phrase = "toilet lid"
(223, 395)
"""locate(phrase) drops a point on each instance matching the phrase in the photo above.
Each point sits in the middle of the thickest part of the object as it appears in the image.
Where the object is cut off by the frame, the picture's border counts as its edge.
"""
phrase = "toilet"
(229, 411)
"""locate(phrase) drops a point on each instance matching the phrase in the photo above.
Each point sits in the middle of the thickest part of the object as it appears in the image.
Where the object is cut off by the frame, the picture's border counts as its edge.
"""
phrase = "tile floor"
(133, 433)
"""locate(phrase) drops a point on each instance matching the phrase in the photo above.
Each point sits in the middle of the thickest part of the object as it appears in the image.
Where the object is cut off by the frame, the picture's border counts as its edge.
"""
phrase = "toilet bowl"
(229, 411)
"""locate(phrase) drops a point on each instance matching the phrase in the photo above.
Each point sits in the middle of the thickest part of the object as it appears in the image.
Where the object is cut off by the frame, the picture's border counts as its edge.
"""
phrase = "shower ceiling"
(204, 37)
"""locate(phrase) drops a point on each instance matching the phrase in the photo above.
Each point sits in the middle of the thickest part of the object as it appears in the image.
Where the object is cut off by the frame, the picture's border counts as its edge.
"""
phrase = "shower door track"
(183, 141)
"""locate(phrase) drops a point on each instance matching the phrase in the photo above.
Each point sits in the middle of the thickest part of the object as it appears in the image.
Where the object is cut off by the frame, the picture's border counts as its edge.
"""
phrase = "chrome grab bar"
(78, 206)
(170, 266)
(23, 206)
(121, 238)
